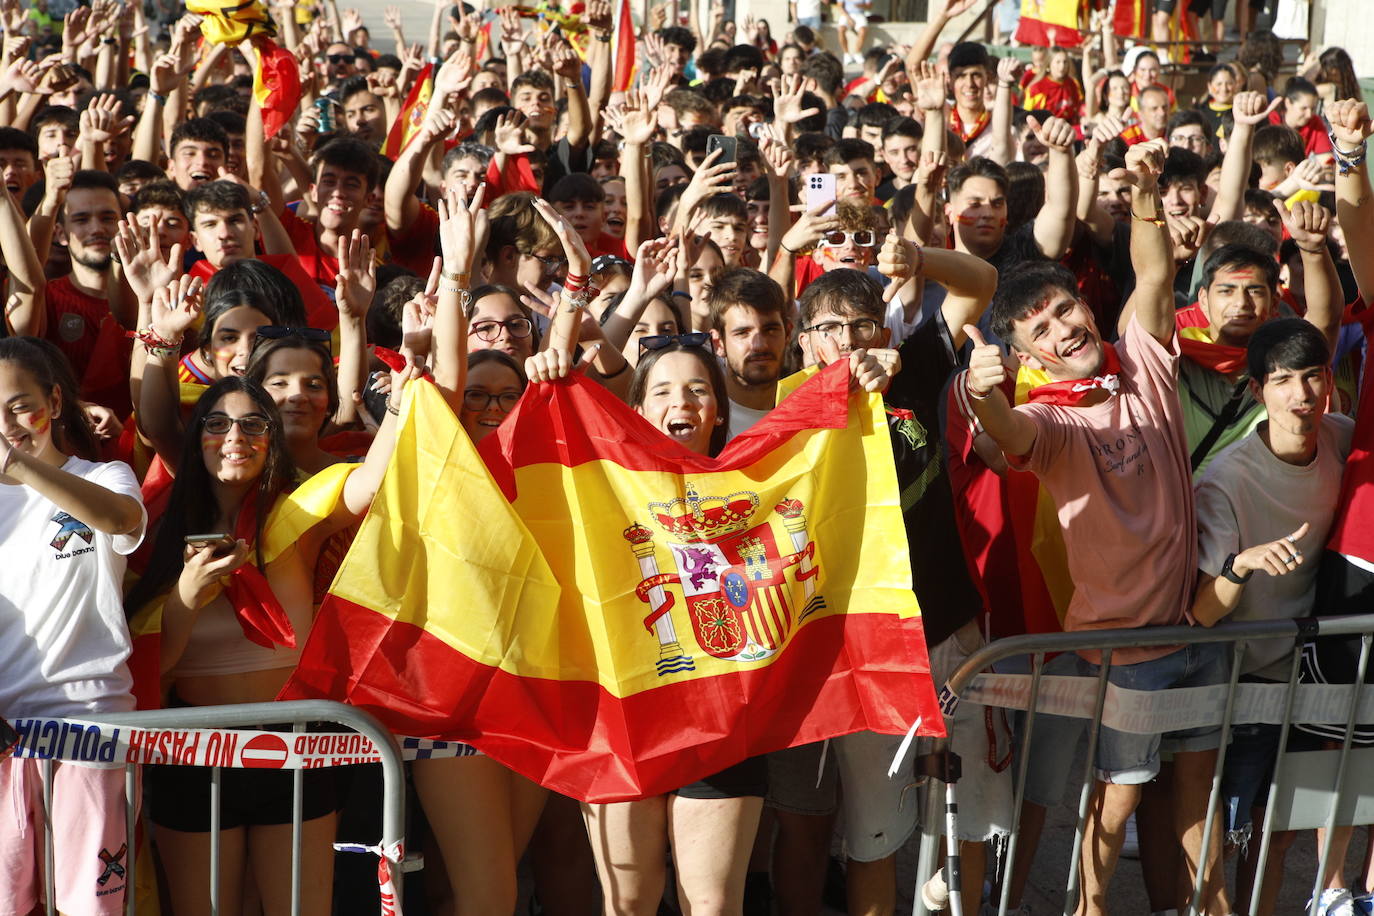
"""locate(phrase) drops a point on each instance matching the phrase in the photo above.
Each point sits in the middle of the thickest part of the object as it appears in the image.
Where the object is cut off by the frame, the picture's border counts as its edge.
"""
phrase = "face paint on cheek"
(42, 420)
(1047, 356)
(211, 440)
(964, 219)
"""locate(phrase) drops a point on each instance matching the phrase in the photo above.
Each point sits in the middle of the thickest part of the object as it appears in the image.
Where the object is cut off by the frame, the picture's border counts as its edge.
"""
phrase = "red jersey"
(320, 311)
(413, 247)
(1315, 142)
(1062, 100)
(93, 340)
(321, 267)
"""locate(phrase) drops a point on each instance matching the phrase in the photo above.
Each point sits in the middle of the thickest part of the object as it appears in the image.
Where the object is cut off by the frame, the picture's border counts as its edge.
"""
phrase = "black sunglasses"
(660, 341)
(277, 332)
(340, 58)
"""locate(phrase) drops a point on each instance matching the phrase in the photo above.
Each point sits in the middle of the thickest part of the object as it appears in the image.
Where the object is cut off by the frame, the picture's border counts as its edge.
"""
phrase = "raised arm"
(25, 313)
(1152, 301)
(1054, 223)
(1350, 125)
(1249, 109)
(1012, 430)
(655, 261)
(174, 312)
(104, 510)
(1100, 224)
(58, 174)
(353, 290)
(555, 361)
(398, 199)
(568, 66)
(1003, 150)
(1307, 224)
(930, 35)
(969, 281)
(457, 235)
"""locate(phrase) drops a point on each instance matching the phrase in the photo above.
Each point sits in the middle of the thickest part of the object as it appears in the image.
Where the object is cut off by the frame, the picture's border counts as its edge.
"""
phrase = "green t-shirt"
(1204, 394)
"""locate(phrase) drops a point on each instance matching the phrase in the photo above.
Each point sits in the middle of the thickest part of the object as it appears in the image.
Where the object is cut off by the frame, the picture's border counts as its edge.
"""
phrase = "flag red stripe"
(610, 431)
(840, 674)
(624, 49)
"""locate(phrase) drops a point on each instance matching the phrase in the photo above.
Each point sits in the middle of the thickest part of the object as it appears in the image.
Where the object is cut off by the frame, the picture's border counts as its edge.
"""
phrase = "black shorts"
(1197, 7)
(179, 797)
(743, 780)
(1343, 588)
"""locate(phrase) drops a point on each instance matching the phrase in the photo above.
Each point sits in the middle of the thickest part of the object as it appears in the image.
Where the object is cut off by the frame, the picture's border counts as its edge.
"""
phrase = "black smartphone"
(728, 147)
(217, 541)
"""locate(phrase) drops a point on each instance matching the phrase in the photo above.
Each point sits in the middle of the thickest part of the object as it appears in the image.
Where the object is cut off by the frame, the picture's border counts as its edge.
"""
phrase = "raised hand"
(392, 17)
(1186, 234)
(600, 17)
(166, 73)
(787, 105)
(809, 228)
(382, 83)
(458, 228)
(455, 75)
(929, 87)
(777, 155)
(512, 31)
(357, 278)
(655, 265)
(634, 120)
(1350, 123)
(1144, 162)
(579, 261)
(654, 51)
(1107, 129)
(1056, 133)
(510, 134)
(59, 171)
(709, 179)
(24, 75)
(564, 61)
(1307, 224)
(931, 171)
(140, 254)
(1009, 70)
(101, 122)
(1252, 108)
(986, 371)
(177, 307)
(351, 20)
(871, 370)
(898, 260)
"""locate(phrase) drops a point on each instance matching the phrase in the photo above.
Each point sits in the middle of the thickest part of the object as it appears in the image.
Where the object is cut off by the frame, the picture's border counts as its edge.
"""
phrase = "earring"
(719, 420)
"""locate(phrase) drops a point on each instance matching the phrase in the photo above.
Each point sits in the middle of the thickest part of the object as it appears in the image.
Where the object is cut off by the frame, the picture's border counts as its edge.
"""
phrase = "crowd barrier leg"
(927, 858)
(1019, 795)
(215, 774)
(1204, 851)
(1338, 790)
(1072, 890)
(49, 855)
(297, 829)
(1267, 831)
(954, 872)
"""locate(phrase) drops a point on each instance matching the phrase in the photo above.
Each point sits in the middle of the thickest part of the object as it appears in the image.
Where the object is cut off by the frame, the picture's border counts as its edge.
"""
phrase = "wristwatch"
(262, 203)
(1231, 575)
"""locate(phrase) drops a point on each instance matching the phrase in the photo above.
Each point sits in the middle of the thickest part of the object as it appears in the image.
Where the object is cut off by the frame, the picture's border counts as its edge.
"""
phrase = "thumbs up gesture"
(986, 371)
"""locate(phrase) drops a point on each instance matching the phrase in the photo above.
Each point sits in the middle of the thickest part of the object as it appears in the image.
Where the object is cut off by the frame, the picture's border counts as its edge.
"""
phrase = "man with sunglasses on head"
(843, 316)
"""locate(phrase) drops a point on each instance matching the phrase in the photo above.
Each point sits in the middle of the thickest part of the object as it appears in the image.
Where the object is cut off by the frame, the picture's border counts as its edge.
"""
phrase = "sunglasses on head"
(660, 341)
(277, 332)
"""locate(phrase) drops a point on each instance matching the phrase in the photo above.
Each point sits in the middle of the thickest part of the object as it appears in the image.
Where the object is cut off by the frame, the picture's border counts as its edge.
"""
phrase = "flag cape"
(615, 617)
(1129, 18)
(1042, 555)
(1049, 22)
(412, 113)
(276, 85)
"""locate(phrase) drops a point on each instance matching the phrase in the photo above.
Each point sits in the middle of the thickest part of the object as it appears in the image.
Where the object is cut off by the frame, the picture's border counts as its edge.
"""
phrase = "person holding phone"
(69, 525)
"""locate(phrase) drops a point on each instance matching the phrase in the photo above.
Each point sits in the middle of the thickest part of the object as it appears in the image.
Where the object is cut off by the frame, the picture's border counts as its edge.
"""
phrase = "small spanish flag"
(1050, 23)
(412, 114)
(625, 64)
(277, 82)
(614, 616)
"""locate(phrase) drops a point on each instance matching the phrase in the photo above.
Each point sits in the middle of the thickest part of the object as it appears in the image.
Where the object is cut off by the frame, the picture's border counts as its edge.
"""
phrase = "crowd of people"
(1075, 283)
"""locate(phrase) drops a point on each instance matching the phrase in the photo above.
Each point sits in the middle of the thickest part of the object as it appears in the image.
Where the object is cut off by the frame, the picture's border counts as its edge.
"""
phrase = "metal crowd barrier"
(204, 736)
(1357, 701)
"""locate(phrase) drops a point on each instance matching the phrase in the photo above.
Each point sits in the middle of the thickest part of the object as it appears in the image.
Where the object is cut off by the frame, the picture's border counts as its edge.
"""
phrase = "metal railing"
(381, 748)
(1037, 646)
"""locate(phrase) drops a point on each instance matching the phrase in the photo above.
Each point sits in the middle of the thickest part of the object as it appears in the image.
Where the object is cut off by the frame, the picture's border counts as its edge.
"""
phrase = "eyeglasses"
(660, 341)
(1188, 141)
(491, 330)
(552, 263)
(219, 424)
(864, 238)
(277, 332)
(340, 58)
(477, 400)
(860, 328)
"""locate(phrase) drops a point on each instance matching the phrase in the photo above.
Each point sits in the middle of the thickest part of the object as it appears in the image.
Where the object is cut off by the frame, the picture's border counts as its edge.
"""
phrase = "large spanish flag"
(1050, 23)
(412, 115)
(615, 617)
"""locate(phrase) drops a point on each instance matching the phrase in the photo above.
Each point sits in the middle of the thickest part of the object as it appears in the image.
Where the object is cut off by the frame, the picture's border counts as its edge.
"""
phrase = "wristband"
(971, 393)
(1153, 221)
(1230, 575)
(160, 99)
(394, 411)
(684, 294)
(1310, 250)
(621, 371)
(459, 278)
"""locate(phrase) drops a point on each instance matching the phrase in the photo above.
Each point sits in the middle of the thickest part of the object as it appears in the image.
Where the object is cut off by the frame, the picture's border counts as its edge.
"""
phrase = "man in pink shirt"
(1107, 440)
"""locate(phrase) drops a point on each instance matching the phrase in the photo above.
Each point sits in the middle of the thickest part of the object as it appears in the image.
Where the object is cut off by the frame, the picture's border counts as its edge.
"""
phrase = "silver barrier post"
(130, 833)
(49, 857)
(953, 873)
(1339, 788)
(1266, 832)
(297, 818)
(214, 840)
(929, 853)
(1072, 890)
(1019, 796)
(1204, 852)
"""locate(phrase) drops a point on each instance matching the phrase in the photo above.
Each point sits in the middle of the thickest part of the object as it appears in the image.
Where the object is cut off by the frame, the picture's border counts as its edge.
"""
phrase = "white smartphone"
(820, 189)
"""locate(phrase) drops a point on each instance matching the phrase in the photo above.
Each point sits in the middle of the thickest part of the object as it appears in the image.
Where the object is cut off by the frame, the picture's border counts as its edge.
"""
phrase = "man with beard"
(750, 328)
(339, 64)
(364, 112)
(82, 318)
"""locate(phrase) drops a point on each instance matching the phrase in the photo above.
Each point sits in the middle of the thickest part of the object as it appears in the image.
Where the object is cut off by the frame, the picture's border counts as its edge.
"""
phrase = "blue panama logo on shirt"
(69, 526)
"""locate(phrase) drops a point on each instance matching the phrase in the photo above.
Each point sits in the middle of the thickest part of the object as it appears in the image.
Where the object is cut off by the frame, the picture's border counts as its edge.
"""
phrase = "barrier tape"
(94, 744)
(1153, 712)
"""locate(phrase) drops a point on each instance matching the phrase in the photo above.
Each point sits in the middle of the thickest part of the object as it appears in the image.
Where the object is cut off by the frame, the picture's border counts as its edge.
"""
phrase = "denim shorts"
(1124, 758)
(1245, 779)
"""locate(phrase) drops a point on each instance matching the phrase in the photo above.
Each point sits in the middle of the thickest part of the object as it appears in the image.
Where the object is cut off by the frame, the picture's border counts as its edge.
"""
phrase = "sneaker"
(1364, 905)
(1335, 901)
(1130, 845)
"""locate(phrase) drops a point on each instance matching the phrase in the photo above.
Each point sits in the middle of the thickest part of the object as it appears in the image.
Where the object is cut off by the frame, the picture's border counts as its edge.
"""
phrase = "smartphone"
(820, 189)
(217, 541)
(728, 146)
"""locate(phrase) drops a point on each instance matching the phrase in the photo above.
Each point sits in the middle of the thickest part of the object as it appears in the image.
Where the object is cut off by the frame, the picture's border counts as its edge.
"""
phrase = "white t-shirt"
(742, 418)
(63, 638)
(1248, 497)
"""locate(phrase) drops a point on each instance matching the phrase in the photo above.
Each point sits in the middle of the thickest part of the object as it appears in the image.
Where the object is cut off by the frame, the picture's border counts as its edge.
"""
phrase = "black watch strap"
(1231, 575)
